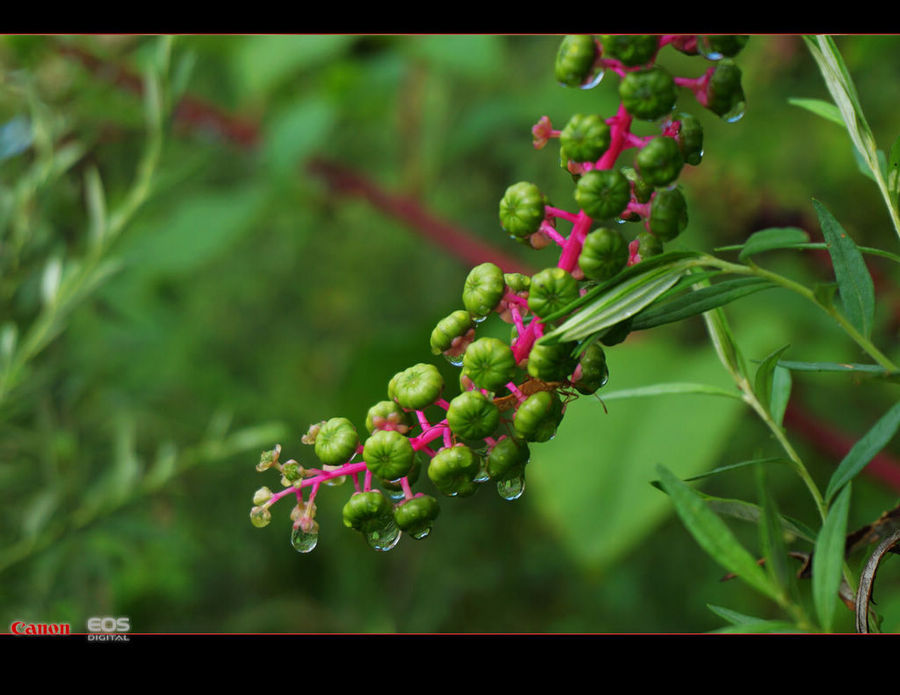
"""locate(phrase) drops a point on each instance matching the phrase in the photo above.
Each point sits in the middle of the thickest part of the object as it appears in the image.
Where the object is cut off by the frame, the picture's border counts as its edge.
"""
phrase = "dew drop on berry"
(421, 533)
(593, 79)
(736, 112)
(395, 495)
(455, 360)
(382, 537)
(511, 488)
(304, 541)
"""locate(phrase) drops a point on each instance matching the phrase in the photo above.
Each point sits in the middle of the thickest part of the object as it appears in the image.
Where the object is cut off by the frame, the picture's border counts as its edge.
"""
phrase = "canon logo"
(20, 627)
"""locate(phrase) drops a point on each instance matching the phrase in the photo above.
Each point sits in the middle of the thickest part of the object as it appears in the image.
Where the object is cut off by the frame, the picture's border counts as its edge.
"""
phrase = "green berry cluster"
(513, 394)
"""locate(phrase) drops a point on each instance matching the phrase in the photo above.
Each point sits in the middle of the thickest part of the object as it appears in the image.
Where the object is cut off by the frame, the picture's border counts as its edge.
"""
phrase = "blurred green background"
(249, 300)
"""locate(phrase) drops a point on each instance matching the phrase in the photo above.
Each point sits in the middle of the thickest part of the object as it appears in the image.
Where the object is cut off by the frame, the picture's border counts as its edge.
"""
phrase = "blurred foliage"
(244, 301)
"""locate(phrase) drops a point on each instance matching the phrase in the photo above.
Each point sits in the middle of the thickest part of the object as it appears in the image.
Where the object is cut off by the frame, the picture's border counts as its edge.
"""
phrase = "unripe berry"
(336, 441)
(506, 456)
(538, 416)
(585, 138)
(551, 290)
(522, 210)
(388, 415)
(483, 290)
(453, 469)
(594, 373)
(551, 362)
(416, 516)
(617, 333)
(718, 45)
(418, 387)
(648, 94)
(575, 59)
(604, 194)
(659, 161)
(668, 214)
(489, 363)
(472, 415)
(604, 254)
(517, 282)
(388, 454)
(631, 50)
(690, 138)
(648, 245)
(724, 94)
(366, 507)
(448, 329)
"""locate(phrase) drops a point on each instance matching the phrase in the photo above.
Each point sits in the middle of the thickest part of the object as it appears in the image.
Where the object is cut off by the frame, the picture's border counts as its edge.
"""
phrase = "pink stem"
(572, 249)
(514, 390)
(513, 297)
(448, 442)
(642, 209)
(620, 126)
(407, 492)
(697, 85)
(557, 212)
(552, 233)
(517, 319)
(442, 403)
(368, 484)
(423, 423)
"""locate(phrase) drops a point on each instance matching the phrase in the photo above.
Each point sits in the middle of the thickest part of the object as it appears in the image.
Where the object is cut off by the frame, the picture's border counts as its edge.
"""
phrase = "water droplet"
(455, 360)
(382, 536)
(421, 532)
(511, 487)
(260, 516)
(593, 79)
(395, 495)
(482, 476)
(736, 112)
(335, 482)
(707, 52)
(305, 541)
(480, 319)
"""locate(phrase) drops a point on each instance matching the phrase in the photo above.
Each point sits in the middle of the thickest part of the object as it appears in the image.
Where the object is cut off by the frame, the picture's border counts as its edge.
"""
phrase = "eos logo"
(107, 627)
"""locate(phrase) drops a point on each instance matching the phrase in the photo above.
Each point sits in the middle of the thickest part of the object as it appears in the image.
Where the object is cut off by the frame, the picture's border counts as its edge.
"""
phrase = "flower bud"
(522, 210)
(269, 458)
(490, 364)
(388, 454)
(575, 60)
(472, 415)
(483, 290)
(262, 496)
(602, 194)
(551, 290)
(668, 214)
(336, 441)
(630, 49)
(538, 416)
(659, 161)
(418, 387)
(604, 254)
(585, 138)
(648, 94)
(292, 471)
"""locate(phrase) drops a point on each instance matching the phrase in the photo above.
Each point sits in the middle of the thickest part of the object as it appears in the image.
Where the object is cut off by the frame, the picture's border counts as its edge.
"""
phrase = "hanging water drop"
(707, 51)
(593, 79)
(304, 541)
(382, 536)
(455, 360)
(420, 532)
(396, 494)
(511, 487)
(736, 112)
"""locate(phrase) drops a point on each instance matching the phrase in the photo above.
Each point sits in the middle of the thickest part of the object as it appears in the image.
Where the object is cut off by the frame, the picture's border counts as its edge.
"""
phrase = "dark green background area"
(251, 301)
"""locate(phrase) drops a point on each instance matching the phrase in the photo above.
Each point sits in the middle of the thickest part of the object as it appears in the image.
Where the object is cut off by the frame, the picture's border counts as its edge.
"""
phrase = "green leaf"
(828, 559)
(854, 281)
(731, 616)
(747, 511)
(893, 176)
(771, 536)
(714, 536)
(864, 451)
(96, 205)
(616, 305)
(825, 109)
(832, 367)
(820, 245)
(763, 382)
(759, 626)
(669, 389)
(295, 133)
(774, 238)
(781, 393)
(734, 466)
(698, 301)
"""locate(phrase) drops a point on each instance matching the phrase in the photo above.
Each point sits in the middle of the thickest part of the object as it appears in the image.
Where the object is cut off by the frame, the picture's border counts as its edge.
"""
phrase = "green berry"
(388, 454)
(448, 329)
(617, 333)
(648, 94)
(604, 254)
(641, 189)
(483, 290)
(538, 416)
(522, 210)
(489, 363)
(416, 516)
(418, 387)
(659, 161)
(551, 362)
(594, 372)
(575, 60)
(724, 94)
(364, 508)
(602, 194)
(552, 289)
(631, 50)
(668, 214)
(453, 469)
(506, 456)
(336, 441)
(517, 282)
(472, 415)
(412, 476)
(690, 138)
(388, 415)
(648, 245)
(585, 138)
(718, 45)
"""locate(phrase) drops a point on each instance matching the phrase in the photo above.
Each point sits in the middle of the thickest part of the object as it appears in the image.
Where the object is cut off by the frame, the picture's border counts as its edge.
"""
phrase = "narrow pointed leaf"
(713, 535)
(828, 559)
(770, 534)
(758, 626)
(698, 301)
(774, 238)
(832, 367)
(820, 245)
(747, 511)
(854, 281)
(731, 616)
(763, 381)
(893, 177)
(734, 466)
(864, 451)
(825, 109)
(781, 393)
(669, 389)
